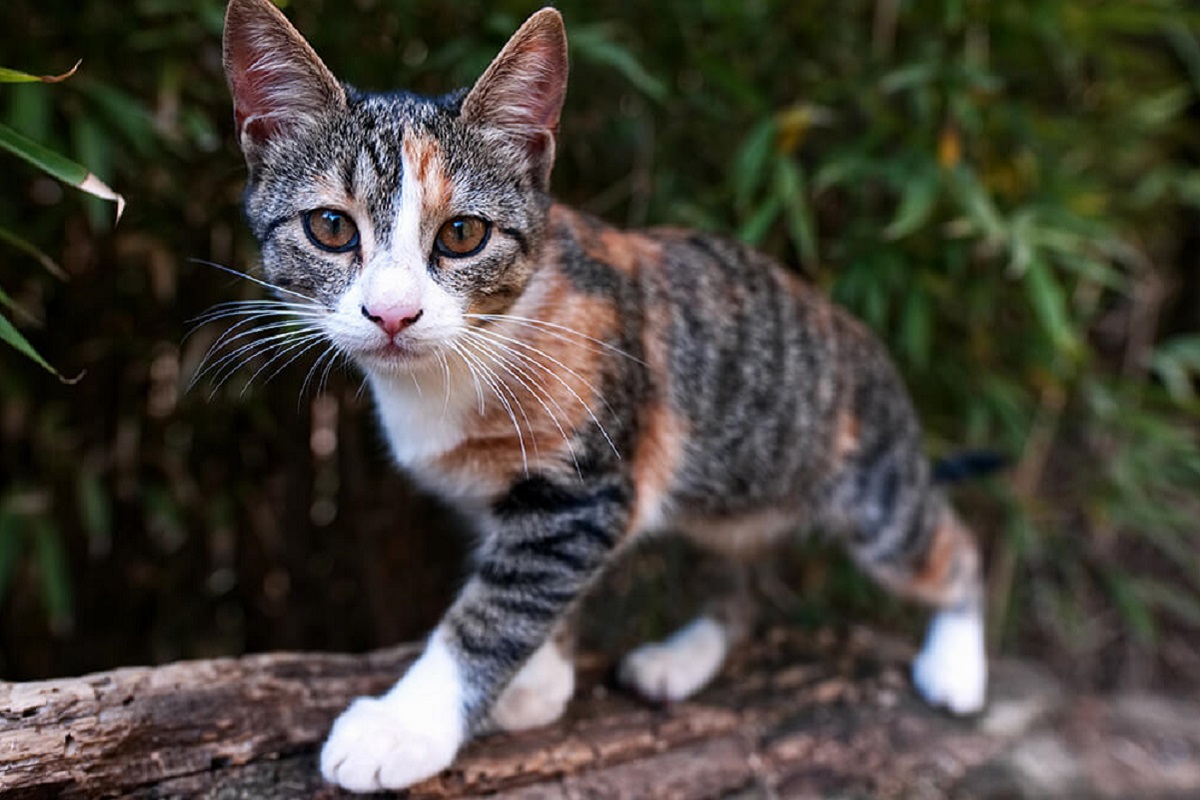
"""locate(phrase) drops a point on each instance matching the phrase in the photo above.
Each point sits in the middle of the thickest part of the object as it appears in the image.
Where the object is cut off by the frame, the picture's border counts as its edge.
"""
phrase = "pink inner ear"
(274, 76)
(523, 89)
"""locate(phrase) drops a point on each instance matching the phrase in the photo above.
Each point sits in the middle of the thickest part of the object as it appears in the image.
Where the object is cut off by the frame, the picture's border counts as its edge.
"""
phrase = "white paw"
(678, 667)
(371, 748)
(411, 733)
(538, 694)
(951, 669)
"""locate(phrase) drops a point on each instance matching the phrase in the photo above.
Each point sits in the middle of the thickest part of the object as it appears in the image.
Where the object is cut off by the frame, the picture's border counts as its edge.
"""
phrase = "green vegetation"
(1009, 193)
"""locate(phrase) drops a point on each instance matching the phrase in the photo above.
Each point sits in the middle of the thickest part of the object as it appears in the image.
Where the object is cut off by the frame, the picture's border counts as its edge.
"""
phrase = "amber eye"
(331, 230)
(463, 236)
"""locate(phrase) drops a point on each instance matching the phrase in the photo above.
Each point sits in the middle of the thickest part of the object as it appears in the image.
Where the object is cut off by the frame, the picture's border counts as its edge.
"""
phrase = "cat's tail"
(968, 464)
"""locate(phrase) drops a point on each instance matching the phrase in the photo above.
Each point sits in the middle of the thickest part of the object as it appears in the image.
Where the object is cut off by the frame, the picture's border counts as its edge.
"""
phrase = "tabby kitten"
(572, 387)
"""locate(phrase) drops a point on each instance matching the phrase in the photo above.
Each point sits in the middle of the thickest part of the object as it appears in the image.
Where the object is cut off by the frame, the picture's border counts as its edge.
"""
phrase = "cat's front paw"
(951, 669)
(375, 745)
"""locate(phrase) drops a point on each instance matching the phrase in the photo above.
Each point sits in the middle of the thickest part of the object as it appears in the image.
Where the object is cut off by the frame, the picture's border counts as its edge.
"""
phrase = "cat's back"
(754, 376)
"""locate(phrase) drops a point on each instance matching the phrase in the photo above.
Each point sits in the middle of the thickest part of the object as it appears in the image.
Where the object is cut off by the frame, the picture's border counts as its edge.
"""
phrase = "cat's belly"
(743, 535)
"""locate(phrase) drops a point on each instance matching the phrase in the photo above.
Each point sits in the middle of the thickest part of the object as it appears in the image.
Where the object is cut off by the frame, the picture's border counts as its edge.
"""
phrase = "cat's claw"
(373, 746)
(951, 669)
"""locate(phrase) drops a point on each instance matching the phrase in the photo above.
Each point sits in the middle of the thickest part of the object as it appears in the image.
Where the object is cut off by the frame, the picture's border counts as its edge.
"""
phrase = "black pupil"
(460, 230)
(333, 224)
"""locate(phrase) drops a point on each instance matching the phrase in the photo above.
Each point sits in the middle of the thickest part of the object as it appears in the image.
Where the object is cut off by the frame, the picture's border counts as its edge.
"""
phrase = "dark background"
(1009, 193)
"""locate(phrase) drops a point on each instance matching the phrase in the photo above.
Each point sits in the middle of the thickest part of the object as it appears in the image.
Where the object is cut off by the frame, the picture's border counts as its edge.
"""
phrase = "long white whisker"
(252, 279)
(496, 385)
(557, 331)
(217, 364)
(299, 348)
(231, 363)
(499, 339)
(539, 393)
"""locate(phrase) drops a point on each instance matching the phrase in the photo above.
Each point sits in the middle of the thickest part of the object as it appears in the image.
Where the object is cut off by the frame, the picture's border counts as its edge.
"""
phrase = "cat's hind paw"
(679, 667)
(951, 669)
(373, 746)
(538, 694)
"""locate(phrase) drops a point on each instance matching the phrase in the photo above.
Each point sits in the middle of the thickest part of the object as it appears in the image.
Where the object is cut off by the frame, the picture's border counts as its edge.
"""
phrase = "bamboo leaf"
(755, 228)
(792, 191)
(750, 164)
(58, 166)
(13, 337)
(1049, 303)
(54, 574)
(32, 250)
(16, 76)
(595, 45)
(916, 205)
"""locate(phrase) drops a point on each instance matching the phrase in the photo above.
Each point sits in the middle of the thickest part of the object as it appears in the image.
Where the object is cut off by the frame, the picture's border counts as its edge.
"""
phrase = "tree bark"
(793, 716)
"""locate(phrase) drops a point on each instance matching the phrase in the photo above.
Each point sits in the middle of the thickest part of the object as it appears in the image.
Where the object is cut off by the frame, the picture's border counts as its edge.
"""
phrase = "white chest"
(423, 415)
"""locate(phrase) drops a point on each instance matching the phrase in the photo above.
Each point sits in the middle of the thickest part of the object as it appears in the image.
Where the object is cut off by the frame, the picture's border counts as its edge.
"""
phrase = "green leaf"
(593, 43)
(55, 575)
(13, 337)
(32, 250)
(58, 166)
(750, 163)
(755, 228)
(1049, 303)
(95, 509)
(790, 185)
(1132, 607)
(16, 76)
(917, 202)
(916, 327)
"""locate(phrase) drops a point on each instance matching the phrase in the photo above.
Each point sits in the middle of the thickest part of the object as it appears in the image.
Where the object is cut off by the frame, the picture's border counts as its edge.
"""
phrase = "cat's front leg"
(546, 539)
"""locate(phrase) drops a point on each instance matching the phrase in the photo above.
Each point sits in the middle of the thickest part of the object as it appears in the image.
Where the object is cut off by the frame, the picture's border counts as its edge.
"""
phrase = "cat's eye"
(463, 236)
(331, 230)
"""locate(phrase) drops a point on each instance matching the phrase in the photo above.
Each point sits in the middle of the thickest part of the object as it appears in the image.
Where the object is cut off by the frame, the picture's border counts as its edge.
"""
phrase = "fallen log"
(794, 716)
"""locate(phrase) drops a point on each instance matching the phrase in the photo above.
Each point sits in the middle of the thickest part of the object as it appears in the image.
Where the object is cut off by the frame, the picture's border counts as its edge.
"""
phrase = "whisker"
(258, 347)
(539, 393)
(498, 339)
(496, 385)
(216, 364)
(300, 347)
(252, 279)
(557, 331)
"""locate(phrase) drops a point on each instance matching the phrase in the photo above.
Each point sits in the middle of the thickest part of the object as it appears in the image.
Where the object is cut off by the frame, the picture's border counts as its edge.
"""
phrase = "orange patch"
(424, 157)
(656, 461)
(549, 377)
(623, 250)
(949, 566)
(845, 436)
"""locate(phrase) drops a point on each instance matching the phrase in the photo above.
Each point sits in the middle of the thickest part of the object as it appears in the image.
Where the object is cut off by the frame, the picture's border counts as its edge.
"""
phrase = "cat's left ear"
(521, 93)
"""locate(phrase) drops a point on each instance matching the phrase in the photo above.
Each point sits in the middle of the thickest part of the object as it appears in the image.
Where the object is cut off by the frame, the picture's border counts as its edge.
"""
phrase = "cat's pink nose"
(393, 319)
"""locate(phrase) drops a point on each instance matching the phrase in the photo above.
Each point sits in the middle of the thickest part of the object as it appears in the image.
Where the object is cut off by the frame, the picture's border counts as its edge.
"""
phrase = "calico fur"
(573, 387)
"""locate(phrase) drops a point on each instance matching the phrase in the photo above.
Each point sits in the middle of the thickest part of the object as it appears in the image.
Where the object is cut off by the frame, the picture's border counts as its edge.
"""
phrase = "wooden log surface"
(793, 716)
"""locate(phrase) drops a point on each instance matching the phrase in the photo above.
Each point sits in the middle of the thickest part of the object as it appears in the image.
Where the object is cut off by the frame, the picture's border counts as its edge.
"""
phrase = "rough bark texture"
(794, 716)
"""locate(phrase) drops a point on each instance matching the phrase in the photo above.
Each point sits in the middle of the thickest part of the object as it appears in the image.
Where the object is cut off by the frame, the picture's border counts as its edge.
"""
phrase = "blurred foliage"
(52, 164)
(1009, 193)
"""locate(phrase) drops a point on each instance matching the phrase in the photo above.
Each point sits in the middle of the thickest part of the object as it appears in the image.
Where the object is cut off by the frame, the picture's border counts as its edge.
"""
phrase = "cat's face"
(400, 218)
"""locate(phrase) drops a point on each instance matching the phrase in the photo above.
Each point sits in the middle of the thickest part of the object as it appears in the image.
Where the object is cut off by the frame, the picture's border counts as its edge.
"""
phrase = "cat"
(572, 388)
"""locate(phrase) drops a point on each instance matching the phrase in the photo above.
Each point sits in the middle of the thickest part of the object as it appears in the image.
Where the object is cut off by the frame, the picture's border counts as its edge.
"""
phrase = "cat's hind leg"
(687, 660)
(933, 558)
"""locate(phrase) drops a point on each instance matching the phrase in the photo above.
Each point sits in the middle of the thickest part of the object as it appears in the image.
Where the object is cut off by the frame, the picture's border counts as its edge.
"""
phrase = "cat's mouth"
(400, 352)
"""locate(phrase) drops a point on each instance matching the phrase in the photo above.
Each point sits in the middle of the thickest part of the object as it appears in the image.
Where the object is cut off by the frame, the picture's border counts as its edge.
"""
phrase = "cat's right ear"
(276, 79)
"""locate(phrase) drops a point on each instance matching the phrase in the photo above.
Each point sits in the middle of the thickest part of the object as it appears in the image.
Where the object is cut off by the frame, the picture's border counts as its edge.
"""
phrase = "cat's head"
(399, 216)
